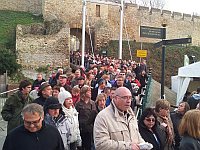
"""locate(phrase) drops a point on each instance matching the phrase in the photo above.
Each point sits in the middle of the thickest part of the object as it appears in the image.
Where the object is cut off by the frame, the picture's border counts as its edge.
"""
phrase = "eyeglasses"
(150, 119)
(122, 74)
(125, 97)
(35, 123)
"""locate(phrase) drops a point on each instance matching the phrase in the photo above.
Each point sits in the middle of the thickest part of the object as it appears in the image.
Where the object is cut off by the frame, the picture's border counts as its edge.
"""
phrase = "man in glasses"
(34, 134)
(116, 127)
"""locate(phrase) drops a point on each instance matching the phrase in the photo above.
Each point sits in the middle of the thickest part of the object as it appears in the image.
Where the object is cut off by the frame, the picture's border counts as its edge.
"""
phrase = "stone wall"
(70, 11)
(33, 6)
(38, 50)
(178, 25)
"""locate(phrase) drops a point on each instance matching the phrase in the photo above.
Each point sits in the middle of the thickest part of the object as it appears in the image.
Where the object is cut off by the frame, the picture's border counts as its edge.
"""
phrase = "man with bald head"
(116, 127)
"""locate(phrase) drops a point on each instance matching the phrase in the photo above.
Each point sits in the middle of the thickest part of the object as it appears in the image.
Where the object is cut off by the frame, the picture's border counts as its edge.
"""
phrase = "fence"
(3, 97)
(3, 82)
(144, 96)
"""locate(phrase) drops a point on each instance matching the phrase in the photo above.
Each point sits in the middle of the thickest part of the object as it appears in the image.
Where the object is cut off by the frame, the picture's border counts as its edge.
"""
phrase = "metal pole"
(121, 28)
(163, 65)
(83, 33)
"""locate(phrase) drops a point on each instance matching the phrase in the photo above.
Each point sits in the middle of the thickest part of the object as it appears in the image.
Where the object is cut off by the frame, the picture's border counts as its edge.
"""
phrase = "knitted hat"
(52, 103)
(63, 95)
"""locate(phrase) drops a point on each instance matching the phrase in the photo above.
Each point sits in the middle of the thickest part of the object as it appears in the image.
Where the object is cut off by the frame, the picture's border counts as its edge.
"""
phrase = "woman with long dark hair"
(150, 129)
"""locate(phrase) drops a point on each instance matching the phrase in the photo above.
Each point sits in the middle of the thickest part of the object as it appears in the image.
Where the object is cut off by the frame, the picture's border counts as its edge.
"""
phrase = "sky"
(183, 6)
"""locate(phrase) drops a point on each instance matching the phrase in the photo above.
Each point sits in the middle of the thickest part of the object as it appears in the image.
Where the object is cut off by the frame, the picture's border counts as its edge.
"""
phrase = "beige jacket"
(112, 131)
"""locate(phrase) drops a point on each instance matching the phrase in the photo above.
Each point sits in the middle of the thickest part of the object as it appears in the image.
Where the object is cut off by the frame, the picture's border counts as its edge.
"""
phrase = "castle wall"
(178, 25)
(32, 6)
(40, 50)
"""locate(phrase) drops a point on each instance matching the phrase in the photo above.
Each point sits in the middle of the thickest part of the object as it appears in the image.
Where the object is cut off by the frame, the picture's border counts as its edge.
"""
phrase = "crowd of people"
(93, 107)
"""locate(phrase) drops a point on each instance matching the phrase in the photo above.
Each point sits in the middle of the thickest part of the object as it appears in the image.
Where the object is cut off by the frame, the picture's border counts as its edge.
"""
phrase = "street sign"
(141, 53)
(173, 41)
(177, 41)
(158, 44)
(152, 32)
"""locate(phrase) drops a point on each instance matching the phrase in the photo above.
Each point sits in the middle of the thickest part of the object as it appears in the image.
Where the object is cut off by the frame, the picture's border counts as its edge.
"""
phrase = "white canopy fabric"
(185, 75)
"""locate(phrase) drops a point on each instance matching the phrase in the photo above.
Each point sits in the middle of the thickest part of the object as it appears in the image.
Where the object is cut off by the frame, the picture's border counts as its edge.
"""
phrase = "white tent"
(185, 75)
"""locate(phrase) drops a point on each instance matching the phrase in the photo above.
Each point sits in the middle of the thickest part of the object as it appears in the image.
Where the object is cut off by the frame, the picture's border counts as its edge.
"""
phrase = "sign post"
(163, 65)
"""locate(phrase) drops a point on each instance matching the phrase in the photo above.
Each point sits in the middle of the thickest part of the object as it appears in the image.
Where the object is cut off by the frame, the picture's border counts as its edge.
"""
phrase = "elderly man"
(13, 106)
(116, 127)
(45, 91)
(34, 134)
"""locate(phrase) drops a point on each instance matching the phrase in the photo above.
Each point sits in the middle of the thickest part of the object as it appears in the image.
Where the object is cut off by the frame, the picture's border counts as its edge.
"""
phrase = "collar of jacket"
(119, 115)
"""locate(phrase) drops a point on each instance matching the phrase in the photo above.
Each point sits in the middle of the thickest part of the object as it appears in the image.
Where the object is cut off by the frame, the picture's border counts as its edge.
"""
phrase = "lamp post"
(121, 28)
(83, 33)
(163, 61)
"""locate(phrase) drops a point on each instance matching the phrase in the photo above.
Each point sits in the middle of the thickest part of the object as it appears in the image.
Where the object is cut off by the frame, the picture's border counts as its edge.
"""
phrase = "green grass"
(8, 23)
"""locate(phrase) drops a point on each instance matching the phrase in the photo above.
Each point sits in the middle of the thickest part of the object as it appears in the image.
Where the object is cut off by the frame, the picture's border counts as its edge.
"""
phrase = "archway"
(76, 40)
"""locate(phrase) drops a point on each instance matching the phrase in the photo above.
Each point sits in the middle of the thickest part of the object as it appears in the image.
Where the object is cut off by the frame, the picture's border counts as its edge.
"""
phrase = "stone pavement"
(3, 132)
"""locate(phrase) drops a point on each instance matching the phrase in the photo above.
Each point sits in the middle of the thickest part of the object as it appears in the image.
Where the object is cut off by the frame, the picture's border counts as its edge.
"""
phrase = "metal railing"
(3, 98)
(144, 97)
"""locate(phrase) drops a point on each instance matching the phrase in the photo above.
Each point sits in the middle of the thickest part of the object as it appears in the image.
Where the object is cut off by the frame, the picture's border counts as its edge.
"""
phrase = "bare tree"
(152, 3)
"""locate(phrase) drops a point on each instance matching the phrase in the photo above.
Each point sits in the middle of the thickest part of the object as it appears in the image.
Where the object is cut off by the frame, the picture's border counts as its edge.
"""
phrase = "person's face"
(112, 93)
(129, 78)
(53, 112)
(62, 81)
(123, 99)
(181, 108)
(53, 75)
(47, 92)
(26, 90)
(120, 82)
(102, 85)
(102, 102)
(77, 74)
(149, 121)
(111, 69)
(39, 77)
(68, 102)
(95, 71)
(55, 93)
(164, 112)
(88, 93)
(75, 93)
(81, 82)
(33, 122)
(91, 77)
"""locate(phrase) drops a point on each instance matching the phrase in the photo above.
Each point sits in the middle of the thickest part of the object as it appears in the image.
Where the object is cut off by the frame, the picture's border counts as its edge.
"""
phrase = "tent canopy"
(185, 75)
(192, 70)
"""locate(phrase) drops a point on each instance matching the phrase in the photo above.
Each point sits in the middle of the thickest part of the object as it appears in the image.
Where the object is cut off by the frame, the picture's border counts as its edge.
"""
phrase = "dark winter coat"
(86, 115)
(37, 83)
(148, 136)
(40, 100)
(47, 138)
(189, 143)
(12, 108)
(194, 100)
(176, 118)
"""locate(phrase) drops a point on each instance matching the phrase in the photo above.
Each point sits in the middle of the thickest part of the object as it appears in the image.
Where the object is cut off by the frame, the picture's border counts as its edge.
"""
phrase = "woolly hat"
(52, 103)
(63, 95)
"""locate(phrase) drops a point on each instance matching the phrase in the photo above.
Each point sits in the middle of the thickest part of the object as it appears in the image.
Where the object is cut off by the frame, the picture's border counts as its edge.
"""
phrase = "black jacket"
(40, 100)
(176, 118)
(148, 136)
(47, 138)
(189, 143)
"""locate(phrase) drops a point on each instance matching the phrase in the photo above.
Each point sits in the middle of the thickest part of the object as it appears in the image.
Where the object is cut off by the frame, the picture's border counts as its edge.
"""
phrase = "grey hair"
(33, 109)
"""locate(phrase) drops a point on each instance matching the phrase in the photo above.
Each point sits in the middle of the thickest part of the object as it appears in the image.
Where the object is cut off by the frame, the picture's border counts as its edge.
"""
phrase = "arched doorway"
(76, 40)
